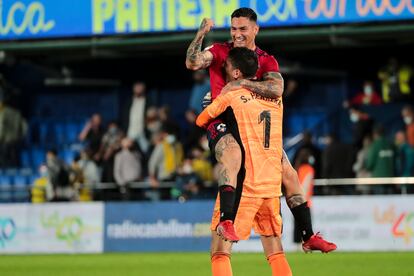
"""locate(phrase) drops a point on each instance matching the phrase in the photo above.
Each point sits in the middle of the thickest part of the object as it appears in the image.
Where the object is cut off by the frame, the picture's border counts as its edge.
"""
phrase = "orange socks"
(220, 265)
(279, 265)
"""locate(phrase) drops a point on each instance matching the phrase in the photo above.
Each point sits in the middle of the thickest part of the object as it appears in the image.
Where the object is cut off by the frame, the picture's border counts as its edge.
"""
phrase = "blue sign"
(34, 19)
(162, 226)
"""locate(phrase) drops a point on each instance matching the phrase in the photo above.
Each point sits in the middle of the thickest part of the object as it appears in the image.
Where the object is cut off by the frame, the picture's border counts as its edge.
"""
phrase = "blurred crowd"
(375, 150)
(151, 149)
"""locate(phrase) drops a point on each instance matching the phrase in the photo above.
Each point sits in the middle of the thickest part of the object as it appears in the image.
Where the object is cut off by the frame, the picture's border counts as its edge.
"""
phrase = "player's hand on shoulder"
(206, 26)
(206, 100)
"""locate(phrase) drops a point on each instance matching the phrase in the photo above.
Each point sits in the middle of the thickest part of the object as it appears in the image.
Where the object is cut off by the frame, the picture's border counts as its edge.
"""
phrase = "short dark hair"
(245, 12)
(245, 60)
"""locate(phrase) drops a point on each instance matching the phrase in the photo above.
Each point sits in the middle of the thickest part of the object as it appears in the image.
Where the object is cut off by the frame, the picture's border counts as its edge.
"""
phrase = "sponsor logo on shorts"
(221, 127)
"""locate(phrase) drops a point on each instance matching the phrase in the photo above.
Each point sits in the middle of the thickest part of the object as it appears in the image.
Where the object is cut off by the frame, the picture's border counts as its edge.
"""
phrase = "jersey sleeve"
(270, 64)
(217, 107)
(216, 51)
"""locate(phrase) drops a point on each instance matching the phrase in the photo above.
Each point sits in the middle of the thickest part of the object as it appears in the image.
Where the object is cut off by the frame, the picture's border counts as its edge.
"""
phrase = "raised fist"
(205, 26)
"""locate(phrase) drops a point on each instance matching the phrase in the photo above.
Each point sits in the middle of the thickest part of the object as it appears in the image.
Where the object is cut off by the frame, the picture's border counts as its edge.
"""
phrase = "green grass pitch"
(198, 264)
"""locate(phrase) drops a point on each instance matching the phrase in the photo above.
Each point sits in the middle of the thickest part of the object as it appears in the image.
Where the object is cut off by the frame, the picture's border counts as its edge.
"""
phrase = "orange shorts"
(263, 214)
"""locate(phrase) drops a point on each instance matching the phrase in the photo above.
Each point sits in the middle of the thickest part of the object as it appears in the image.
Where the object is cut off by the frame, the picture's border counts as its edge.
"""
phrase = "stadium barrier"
(355, 223)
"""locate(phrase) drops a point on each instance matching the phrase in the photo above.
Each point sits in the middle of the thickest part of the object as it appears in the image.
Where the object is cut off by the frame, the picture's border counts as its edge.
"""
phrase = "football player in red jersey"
(227, 150)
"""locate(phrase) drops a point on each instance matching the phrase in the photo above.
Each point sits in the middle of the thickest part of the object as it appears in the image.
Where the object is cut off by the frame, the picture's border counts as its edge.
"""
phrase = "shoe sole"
(220, 233)
(308, 250)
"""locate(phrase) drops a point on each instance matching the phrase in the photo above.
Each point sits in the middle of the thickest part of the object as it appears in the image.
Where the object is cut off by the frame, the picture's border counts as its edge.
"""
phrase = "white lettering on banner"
(171, 229)
(34, 19)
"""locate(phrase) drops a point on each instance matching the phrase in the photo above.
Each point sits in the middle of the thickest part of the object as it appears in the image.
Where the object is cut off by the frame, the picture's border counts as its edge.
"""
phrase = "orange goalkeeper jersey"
(259, 122)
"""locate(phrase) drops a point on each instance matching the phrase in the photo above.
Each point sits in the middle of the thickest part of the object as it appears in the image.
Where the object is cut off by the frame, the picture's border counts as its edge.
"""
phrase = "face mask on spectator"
(311, 160)
(354, 117)
(368, 90)
(408, 120)
(187, 169)
(170, 139)
(43, 171)
(153, 127)
(112, 130)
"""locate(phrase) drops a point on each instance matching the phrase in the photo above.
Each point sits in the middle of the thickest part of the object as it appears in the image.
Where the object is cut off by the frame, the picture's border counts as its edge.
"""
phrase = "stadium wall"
(355, 223)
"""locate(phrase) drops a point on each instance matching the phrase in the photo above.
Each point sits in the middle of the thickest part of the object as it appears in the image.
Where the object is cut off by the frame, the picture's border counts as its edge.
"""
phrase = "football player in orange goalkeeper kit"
(258, 128)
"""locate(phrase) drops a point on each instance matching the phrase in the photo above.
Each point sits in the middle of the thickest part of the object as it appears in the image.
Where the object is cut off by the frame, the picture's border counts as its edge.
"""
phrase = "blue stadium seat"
(5, 181)
(68, 155)
(38, 157)
(26, 171)
(20, 180)
(295, 124)
(59, 134)
(43, 132)
(25, 160)
(11, 172)
(5, 188)
(72, 131)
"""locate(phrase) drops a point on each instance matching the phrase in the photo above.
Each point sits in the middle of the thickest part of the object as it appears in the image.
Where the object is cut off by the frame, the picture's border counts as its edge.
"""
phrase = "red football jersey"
(220, 51)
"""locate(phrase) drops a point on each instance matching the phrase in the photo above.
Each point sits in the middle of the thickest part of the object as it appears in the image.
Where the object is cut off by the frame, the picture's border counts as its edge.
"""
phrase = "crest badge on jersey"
(221, 127)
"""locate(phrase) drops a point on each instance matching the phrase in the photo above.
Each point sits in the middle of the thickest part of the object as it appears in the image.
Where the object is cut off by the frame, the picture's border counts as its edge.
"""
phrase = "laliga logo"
(402, 224)
(68, 229)
(403, 227)
(281, 9)
(33, 19)
(7, 231)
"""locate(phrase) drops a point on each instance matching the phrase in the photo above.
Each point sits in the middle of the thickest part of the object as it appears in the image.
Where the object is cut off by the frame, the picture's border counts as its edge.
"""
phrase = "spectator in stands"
(168, 122)
(42, 190)
(165, 159)
(359, 167)
(59, 177)
(408, 117)
(362, 126)
(200, 88)
(368, 96)
(194, 132)
(110, 145)
(307, 144)
(92, 134)
(153, 123)
(336, 153)
(91, 176)
(89, 168)
(396, 81)
(290, 98)
(13, 128)
(201, 164)
(404, 157)
(188, 183)
(137, 112)
(306, 175)
(128, 166)
(380, 159)
(76, 177)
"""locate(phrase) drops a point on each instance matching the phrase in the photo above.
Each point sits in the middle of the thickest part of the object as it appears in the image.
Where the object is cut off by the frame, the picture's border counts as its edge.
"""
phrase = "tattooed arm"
(271, 87)
(197, 59)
